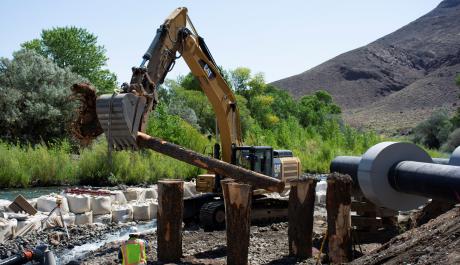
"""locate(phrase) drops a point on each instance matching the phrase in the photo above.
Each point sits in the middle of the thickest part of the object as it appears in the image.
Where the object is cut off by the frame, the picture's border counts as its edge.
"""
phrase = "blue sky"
(278, 38)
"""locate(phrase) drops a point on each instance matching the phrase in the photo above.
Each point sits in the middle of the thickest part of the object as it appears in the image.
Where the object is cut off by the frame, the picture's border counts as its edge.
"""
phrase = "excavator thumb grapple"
(120, 117)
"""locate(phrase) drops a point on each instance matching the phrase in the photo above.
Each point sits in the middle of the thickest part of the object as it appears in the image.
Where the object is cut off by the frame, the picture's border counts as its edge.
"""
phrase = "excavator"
(123, 114)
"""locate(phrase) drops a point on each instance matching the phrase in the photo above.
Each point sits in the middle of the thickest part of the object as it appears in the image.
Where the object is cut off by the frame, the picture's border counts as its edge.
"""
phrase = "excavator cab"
(255, 158)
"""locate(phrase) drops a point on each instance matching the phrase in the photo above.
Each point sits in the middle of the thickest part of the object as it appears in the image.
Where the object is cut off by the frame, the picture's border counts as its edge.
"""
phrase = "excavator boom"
(123, 115)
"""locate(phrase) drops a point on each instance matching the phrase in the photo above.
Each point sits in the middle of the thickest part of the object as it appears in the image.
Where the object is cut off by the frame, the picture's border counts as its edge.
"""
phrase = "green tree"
(316, 109)
(239, 78)
(285, 106)
(34, 102)
(434, 131)
(189, 82)
(77, 49)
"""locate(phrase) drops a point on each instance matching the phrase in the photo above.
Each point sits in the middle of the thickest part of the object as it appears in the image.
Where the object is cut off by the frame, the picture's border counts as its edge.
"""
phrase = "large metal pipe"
(441, 161)
(424, 179)
(427, 180)
(349, 165)
(401, 175)
(346, 165)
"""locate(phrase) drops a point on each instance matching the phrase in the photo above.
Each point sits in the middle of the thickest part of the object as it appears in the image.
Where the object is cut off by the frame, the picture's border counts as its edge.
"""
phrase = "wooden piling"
(220, 167)
(338, 206)
(169, 222)
(300, 217)
(238, 200)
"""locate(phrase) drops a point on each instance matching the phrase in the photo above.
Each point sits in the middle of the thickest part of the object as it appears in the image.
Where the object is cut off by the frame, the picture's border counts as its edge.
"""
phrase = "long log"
(338, 206)
(300, 217)
(169, 229)
(237, 198)
(241, 174)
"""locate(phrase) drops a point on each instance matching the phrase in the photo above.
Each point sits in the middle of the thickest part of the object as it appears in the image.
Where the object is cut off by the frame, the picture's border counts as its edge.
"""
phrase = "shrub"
(176, 130)
(34, 102)
(433, 131)
(453, 141)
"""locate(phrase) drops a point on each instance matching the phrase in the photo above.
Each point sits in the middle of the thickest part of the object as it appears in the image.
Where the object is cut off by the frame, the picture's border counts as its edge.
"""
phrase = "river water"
(29, 193)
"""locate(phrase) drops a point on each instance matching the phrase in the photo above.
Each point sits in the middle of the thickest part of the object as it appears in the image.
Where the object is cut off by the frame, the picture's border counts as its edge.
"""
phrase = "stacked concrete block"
(48, 202)
(122, 213)
(78, 204)
(84, 218)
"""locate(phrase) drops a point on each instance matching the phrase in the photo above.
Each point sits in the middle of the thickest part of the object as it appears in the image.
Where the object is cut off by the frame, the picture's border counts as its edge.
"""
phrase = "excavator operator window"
(255, 158)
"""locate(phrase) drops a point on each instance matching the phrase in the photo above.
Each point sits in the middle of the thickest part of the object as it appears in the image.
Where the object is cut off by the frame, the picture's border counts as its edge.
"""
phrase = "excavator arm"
(123, 115)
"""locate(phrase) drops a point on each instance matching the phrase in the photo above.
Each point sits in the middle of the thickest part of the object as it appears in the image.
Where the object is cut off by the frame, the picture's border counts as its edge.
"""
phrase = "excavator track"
(212, 215)
(264, 210)
(268, 210)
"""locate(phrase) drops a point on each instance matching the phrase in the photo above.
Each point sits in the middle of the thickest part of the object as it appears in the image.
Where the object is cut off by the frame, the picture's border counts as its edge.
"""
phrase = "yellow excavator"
(122, 115)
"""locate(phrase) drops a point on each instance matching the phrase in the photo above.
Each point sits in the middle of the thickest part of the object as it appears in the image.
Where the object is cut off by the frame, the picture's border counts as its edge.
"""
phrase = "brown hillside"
(396, 81)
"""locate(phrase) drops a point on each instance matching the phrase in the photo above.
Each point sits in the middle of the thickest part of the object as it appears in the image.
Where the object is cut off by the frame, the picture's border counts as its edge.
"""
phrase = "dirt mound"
(396, 81)
(437, 242)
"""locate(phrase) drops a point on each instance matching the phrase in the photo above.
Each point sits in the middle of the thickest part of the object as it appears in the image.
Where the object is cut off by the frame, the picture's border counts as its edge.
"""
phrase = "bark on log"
(169, 228)
(241, 174)
(300, 217)
(338, 205)
(238, 199)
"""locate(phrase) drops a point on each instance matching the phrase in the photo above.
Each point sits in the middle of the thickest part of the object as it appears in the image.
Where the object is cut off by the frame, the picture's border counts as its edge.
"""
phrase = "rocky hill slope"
(398, 80)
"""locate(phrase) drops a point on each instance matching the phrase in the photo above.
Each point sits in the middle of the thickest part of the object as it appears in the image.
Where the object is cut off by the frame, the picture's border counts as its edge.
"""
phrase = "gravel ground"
(268, 245)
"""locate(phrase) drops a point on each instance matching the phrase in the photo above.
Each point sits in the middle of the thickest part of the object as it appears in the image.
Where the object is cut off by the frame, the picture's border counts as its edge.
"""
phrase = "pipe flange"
(454, 159)
(375, 167)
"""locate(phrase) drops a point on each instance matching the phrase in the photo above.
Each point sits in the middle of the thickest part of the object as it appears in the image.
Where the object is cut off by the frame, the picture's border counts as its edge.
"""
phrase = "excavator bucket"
(120, 117)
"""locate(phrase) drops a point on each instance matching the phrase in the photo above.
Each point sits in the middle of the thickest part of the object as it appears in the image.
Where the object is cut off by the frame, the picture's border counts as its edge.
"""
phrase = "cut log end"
(300, 217)
(170, 211)
(237, 199)
(338, 205)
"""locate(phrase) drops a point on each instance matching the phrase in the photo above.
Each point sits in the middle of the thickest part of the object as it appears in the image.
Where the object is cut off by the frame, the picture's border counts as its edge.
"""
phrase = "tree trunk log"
(300, 217)
(255, 179)
(238, 199)
(169, 228)
(338, 205)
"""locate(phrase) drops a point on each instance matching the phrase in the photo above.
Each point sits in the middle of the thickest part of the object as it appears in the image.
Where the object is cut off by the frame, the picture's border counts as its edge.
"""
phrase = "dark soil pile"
(436, 242)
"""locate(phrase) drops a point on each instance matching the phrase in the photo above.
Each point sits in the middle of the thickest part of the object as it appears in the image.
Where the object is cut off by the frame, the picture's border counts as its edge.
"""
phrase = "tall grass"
(54, 165)
(128, 167)
(41, 165)
(37, 166)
